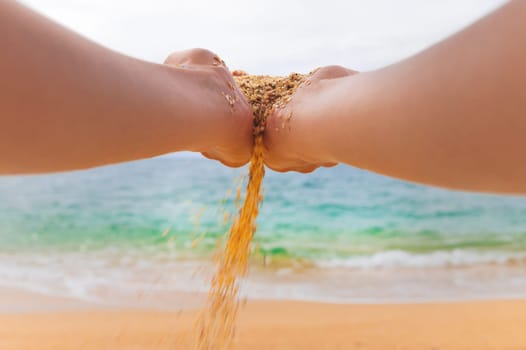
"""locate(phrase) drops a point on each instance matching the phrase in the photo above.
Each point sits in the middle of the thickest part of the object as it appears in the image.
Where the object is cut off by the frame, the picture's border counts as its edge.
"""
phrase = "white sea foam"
(117, 278)
(398, 259)
(105, 277)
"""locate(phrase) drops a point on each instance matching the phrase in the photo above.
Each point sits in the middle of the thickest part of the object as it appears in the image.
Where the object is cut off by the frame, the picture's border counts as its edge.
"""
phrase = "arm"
(67, 103)
(452, 116)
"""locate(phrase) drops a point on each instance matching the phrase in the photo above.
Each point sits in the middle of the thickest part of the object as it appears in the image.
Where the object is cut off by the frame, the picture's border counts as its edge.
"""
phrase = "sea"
(113, 234)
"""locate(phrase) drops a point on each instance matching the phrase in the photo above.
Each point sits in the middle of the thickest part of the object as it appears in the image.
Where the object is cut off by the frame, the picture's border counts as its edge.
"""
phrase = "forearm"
(68, 103)
(452, 116)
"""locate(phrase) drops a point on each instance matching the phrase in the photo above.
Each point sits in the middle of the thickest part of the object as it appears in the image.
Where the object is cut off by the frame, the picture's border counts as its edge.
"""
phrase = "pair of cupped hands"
(295, 147)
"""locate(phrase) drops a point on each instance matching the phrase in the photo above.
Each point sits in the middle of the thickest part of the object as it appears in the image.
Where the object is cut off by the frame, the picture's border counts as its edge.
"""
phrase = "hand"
(296, 135)
(226, 127)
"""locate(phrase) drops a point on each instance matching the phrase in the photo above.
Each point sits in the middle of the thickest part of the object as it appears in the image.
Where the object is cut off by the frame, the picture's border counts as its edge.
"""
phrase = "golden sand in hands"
(265, 93)
(216, 326)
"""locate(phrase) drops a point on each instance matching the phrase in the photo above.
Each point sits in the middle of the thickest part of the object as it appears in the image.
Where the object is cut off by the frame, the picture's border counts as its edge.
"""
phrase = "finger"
(209, 155)
(275, 168)
(282, 165)
(328, 165)
(273, 163)
(232, 163)
(194, 57)
(235, 160)
(306, 169)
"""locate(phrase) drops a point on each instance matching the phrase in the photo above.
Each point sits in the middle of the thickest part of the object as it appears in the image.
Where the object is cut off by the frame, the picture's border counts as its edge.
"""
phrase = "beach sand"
(265, 325)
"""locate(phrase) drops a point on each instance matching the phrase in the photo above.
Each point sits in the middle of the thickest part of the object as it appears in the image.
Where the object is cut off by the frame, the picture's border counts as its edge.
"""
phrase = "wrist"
(346, 129)
(330, 110)
(182, 100)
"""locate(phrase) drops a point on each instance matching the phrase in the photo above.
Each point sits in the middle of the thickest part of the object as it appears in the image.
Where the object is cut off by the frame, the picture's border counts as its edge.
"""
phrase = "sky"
(272, 36)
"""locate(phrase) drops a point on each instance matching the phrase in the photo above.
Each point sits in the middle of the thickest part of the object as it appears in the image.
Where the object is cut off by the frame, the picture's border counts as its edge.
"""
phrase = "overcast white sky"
(272, 36)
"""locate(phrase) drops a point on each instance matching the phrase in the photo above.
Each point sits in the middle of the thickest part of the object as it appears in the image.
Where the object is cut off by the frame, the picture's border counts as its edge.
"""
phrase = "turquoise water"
(341, 218)
(339, 212)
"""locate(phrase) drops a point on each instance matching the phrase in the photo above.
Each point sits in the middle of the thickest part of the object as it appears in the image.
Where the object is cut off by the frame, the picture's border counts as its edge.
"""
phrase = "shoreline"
(161, 291)
(276, 324)
(149, 283)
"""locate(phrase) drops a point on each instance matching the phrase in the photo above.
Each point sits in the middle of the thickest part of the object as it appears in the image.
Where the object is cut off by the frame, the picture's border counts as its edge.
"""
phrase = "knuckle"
(307, 170)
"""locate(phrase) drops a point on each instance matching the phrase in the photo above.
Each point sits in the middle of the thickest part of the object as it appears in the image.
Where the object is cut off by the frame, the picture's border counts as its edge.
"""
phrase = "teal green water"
(339, 234)
(331, 216)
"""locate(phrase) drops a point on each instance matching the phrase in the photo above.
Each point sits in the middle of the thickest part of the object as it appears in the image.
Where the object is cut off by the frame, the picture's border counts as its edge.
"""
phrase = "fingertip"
(273, 167)
(277, 170)
(329, 165)
(231, 163)
(208, 155)
(239, 162)
(307, 170)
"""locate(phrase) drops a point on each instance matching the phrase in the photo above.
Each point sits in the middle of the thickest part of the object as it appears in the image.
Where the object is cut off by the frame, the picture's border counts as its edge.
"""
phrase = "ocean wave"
(436, 259)
(100, 277)
(117, 278)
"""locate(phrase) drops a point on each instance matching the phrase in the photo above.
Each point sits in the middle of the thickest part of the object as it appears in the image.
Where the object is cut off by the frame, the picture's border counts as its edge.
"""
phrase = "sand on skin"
(278, 325)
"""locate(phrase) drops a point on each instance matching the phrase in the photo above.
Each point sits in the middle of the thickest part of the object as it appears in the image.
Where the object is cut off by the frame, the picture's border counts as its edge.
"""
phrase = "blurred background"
(111, 234)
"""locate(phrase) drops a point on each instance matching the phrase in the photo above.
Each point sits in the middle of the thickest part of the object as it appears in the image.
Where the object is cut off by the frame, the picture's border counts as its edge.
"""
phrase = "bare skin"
(68, 103)
(452, 116)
